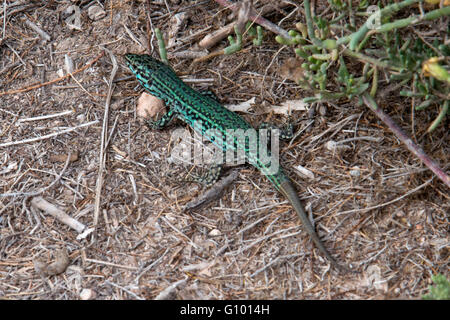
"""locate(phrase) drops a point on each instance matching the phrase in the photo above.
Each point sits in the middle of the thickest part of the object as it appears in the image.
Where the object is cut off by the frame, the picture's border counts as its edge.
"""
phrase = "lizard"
(192, 107)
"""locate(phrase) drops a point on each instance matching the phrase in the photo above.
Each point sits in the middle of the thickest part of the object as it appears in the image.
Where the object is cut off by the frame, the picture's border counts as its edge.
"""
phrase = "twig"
(212, 38)
(187, 39)
(124, 289)
(336, 127)
(150, 266)
(166, 293)
(111, 264)
(192, 243)
(149, 28)
(44, 117)
(12, 143)
(252, 224)
(213, 193)
(44, 35)
(361, 210)
(131, 35)
(20, 7)
(16, 53)
(39, 85)
(258, 240)
(5, 5)
(40, 203)
(81, 86)
(36, 193)
(274, 261)
(415, 149)
(257, 19)
(103, 143)
(6, 68)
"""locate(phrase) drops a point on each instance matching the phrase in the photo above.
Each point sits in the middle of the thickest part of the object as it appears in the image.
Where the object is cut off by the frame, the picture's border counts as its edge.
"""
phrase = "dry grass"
(374, 205)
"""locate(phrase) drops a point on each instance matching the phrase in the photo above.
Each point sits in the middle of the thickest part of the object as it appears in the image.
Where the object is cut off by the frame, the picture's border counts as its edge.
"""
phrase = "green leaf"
(439, 292)
(360, 89)
(342, 72)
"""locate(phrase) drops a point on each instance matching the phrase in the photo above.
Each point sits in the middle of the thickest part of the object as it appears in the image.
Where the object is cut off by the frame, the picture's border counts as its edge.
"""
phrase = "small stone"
(355, 172)
(215, 233)
(87, 294)
(149, 106)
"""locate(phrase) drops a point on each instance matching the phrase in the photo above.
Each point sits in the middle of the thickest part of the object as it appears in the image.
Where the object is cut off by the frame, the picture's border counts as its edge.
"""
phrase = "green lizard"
(193, 107)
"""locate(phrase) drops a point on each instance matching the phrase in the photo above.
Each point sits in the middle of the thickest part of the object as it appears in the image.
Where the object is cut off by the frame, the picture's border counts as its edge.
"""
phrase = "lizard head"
(147, 69)
(142, 64)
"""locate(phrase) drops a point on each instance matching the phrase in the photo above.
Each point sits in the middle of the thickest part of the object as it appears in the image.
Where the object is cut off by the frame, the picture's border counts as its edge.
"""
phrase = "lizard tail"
(289, 192)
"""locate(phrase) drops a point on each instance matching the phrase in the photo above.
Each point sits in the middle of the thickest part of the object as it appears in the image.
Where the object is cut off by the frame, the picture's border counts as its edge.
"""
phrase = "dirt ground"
(376, 207)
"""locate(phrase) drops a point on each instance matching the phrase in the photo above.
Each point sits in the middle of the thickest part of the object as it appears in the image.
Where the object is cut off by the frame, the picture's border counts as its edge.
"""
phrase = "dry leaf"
(288, 106)
(241, 107)
(292, 69)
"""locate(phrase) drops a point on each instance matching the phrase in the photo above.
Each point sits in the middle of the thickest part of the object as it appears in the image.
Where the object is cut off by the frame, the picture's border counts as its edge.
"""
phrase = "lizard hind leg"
(210, 94)
(286, 132)
(163, 122)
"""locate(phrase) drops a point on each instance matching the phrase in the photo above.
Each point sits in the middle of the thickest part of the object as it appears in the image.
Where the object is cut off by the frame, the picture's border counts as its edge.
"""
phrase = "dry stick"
(149, 28)
(132, 36)
(361, 210)
(258, 19)
(12, 143)
(40, 203)
(213, 193)
(44, 35)
(180, 233)
(39, 85)
(150, 266)
(274, 261)
(103, 143)
(44, 117)
(16, 53)
(36, 193)
(166, 293)
(20, 7)
(212, 38)
(10, 66)
(415, 149)
(131, 293)
(4, 19)
(106, 263)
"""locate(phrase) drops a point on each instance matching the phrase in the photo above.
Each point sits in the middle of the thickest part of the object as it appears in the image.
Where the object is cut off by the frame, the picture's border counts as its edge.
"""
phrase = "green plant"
(236, 45)
(409, 61)
(441, 290)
